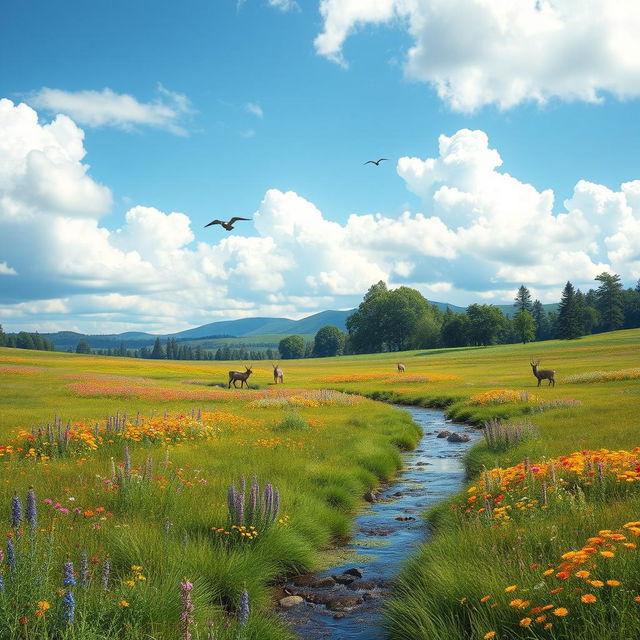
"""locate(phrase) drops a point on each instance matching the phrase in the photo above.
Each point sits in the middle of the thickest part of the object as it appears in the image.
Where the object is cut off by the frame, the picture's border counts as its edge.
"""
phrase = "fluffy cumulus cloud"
(107, 108)
(503, 52)
(481, 233)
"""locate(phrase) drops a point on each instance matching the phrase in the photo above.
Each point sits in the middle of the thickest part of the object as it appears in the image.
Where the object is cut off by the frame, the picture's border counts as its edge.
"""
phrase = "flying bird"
(376, 162)
(226, 225)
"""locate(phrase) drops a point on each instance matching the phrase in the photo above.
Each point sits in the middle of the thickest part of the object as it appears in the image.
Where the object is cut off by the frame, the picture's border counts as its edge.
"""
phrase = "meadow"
(142, 501)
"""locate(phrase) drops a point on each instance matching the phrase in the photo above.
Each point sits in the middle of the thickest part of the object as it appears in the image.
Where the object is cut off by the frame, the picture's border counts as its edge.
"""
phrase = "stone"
(370, 596)
(458, 437)
(303, 580)
(404, 518)
(344, 603)
(324, 583)
(317, 598)
(339, 616)
(344, 579)
(354, 571)
(291, 601)
(362, 585)
(444, 434)
(371, 496)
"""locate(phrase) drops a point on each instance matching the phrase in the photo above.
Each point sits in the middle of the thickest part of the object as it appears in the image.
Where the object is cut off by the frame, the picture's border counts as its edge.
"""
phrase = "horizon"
(520, 171)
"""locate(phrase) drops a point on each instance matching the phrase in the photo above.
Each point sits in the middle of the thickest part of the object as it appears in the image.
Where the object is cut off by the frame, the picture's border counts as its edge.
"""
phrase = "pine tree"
(569, 323)
(609, 301)
(158, 351)
(522, 301)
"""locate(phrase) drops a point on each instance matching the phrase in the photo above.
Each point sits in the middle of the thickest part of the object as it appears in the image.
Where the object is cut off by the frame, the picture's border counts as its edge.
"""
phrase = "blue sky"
(268, 109)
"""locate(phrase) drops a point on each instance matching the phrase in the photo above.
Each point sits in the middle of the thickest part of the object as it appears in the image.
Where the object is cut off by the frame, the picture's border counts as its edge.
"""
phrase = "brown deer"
(400, 367)
(278, 374)
(542, 374)
(234, 376)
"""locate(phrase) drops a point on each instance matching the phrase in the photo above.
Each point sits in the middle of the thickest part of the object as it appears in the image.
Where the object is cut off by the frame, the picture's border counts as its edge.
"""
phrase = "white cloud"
(284, 5)
(483, 233)
(107, 108)
(503, 52)
(254, 109)
(6, 270)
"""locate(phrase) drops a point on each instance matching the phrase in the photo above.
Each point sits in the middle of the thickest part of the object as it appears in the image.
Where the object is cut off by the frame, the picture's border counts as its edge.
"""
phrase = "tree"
(524, 326)
(3, 337)
(83, 347)
(292, 347)
(609, 301)
(455, 329)
(569, 323)
(158, 351)
(329, 341)
(24, 340)
(631, 306)
(541, 318)
(522, 301)
(485, 322)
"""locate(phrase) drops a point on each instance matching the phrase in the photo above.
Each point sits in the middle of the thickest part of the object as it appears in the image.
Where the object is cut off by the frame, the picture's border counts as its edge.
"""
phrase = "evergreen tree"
(3, 338)
(569, 323)
(24, 340)
(158, 351)
(631, 307)
(522, 301)
(609, 301)
(540, 317)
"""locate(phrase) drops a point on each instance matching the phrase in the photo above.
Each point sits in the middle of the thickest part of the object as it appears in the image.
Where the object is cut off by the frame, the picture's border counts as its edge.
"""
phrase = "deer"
(400, 367)
(278, 373)
(542, 374)
(234, 376)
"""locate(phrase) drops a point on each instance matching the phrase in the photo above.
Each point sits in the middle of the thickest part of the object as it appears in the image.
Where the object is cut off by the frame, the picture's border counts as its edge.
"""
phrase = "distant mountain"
(256, 328)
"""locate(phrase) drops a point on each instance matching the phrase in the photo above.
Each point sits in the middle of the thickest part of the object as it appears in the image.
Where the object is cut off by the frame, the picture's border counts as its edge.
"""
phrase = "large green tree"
(329, 341)
(610, 301)
(292, 347)
(486, 322)
(522, 301)
(455, 329)
(569, 324)
(524, 326)
(83, 347)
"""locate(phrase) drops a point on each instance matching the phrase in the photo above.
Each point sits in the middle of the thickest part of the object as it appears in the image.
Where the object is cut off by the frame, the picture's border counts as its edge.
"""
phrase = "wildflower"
(560, 612)
(588, 598)
(43, 605)
(515, 603)
(489, 635)
(548, 626)
(485, 598)
(69, 580)
(582, 574)
(540, 619)
(596, 583)
(613, 583)
(548, 572)
(637, 598)
(525, 622)
(607, 554)
(106, 569)
(186, 615)
(562, 575)
(16, 511)
(123, 603)
(31, 507)
(513, 587)
(68, 606)
(243, 614)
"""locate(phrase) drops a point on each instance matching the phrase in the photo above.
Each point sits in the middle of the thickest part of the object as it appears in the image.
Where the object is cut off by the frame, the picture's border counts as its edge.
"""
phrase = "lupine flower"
(1, 583)
(106, 569)
(243, 614)
(11, 554)
(84, 569)
(68, 580)
(31, 507)
(127, 463)
(68, 606)
(16, 511)
(186, 615)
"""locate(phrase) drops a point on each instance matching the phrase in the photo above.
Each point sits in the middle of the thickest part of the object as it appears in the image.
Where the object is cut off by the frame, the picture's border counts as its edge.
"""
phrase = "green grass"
(323, 458)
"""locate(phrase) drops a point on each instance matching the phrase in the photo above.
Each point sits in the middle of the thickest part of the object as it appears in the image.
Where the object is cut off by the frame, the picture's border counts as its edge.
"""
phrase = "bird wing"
(381, 159)
(235, 219)
(214, 222)
(370, 162)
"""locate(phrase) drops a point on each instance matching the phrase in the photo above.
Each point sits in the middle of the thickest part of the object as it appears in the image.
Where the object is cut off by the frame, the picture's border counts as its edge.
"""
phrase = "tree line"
(25, 340)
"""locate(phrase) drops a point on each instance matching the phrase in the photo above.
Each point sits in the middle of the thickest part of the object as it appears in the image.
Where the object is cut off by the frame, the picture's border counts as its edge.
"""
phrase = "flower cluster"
(307, 399)
(603, 376)
(242, 531)
(502, 396)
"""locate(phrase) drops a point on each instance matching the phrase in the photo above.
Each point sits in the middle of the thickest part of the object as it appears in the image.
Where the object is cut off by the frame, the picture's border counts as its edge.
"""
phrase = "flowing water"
(386, 534)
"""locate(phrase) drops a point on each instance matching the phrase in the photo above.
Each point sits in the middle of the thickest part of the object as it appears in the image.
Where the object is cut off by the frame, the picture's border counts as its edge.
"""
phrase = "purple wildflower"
(68, 606)
(11, 554)
(69, 580)
(243, 614)
(106, 570)
(16, 511)
(127, 463)
(31, 507)
(186, 615)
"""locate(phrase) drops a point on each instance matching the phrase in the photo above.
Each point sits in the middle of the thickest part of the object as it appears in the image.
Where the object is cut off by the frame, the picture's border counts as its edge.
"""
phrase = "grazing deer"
(400, 367)
(542, 374)
(278, 374)
(234, 376)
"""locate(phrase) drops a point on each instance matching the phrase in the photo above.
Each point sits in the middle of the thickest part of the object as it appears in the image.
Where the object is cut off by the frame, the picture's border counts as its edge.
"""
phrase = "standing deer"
(542, 374)
(400, 367)
(278, 374)
(234, 376)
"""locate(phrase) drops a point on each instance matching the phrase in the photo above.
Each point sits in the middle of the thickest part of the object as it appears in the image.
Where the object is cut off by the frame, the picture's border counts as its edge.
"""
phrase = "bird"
(226, 225)
(376, 162)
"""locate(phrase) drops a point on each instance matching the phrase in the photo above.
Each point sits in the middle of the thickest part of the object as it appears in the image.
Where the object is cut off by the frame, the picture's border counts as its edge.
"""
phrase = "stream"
(346, 601)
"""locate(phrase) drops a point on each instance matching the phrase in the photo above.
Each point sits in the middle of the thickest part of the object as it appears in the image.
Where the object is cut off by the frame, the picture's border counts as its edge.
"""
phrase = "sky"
(510, 128)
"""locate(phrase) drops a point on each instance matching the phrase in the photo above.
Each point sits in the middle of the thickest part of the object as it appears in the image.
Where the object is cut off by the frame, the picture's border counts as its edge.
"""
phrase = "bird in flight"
(226, 225)
(376, 162)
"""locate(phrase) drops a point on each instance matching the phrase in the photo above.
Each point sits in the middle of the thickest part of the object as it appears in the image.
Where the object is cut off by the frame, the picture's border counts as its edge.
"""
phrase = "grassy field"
(142, 500)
